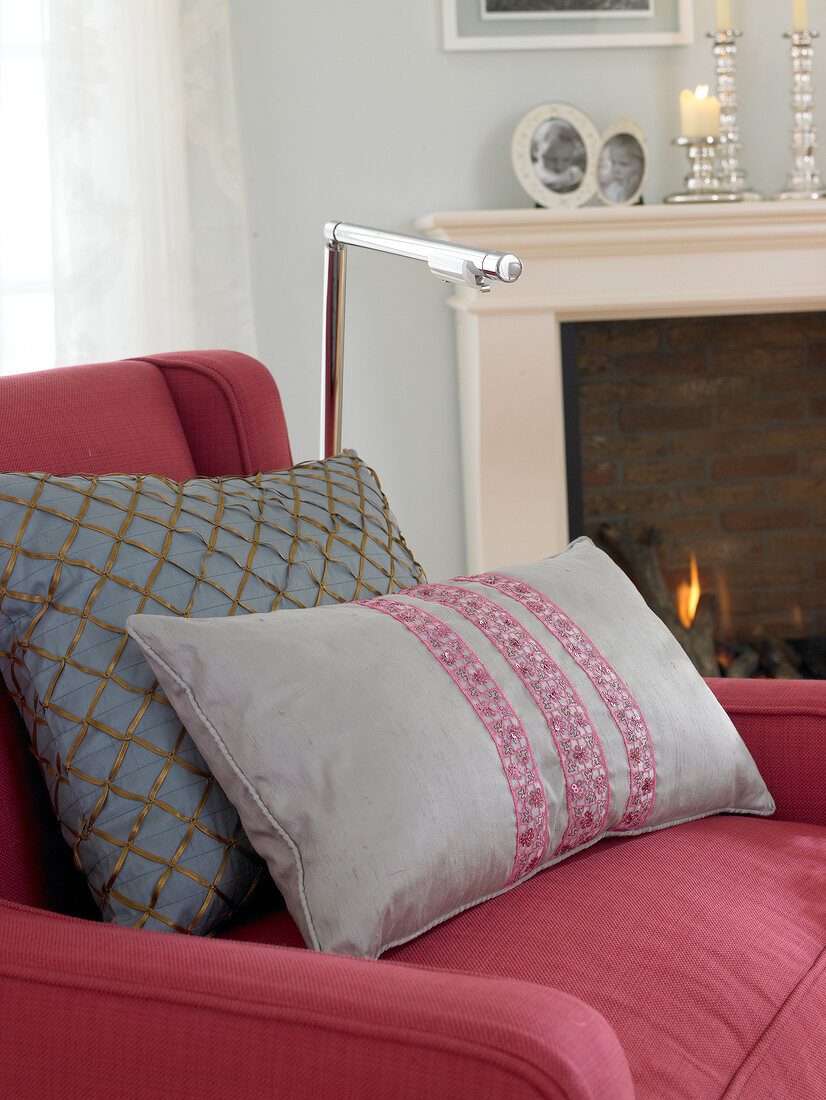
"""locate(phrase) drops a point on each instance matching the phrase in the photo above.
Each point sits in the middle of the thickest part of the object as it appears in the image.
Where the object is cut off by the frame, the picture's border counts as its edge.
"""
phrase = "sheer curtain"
(26, 284)
(148, 227)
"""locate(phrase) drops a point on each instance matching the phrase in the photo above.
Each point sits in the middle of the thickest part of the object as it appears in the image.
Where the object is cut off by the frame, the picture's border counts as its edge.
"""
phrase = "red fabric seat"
(702, 945)
(687, 962)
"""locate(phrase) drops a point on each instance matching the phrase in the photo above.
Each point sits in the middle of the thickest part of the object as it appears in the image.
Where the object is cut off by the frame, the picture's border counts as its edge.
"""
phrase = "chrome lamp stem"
(455, 263)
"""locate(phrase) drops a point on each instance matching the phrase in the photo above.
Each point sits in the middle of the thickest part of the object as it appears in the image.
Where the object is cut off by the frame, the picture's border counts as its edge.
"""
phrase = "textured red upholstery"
(707, 929)
(702, 945)
(99, 419)
(147, 1014)
(230, 412)
(783, 722)
(687, 962)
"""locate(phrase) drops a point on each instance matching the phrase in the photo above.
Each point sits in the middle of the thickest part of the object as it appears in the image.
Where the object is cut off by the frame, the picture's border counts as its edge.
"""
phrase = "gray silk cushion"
(398, 760)
(159, 842)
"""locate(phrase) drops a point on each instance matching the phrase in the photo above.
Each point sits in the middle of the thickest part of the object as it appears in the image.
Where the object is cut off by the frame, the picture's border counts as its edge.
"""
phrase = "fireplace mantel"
(594, 263)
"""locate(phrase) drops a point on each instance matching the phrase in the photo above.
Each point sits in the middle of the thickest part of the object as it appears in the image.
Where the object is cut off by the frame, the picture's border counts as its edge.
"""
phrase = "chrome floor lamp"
(455, 263)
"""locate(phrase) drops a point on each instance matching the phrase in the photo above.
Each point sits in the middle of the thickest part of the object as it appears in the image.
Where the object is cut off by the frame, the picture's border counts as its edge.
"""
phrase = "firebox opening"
(711, 432)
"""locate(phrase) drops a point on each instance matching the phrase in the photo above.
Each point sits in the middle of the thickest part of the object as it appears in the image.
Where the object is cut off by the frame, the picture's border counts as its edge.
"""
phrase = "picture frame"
(622, 164)
(554, 153)
(564, 9)
(467, 26)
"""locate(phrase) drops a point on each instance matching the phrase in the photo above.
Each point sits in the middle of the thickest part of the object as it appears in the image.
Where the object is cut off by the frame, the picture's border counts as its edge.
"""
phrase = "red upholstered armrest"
(230, 411)
(783, 722)
(89, 1007)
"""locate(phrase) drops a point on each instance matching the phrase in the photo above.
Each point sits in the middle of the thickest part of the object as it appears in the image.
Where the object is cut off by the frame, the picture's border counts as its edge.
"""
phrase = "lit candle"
(800, 17)
(723, 15)
(699, 113)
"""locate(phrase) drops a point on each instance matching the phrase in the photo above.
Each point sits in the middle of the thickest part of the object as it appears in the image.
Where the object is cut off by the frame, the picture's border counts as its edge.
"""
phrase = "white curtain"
(149, 234)
(26, 284)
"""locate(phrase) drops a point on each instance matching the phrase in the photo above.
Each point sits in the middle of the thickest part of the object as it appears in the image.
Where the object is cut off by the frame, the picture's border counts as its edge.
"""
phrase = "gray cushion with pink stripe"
(397, 760)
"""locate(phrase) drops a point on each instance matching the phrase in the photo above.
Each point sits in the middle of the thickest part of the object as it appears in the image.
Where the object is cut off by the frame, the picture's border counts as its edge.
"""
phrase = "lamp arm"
(457, 263)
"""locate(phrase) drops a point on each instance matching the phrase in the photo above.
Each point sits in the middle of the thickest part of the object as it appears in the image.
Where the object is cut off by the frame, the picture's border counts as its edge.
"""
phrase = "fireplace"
(759, 266)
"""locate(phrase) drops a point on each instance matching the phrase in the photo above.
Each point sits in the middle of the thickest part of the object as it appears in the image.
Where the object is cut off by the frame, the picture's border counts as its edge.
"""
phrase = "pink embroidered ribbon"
(488, 700)
(576, 740)
(619, 700)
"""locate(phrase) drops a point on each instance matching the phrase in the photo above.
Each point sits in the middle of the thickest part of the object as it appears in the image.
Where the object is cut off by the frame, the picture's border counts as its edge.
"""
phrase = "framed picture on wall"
(566, 24)
(564, 9)
(554, 153)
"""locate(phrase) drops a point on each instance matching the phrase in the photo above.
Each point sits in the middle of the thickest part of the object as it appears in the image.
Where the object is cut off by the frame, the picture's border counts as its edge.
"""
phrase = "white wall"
(354, 111)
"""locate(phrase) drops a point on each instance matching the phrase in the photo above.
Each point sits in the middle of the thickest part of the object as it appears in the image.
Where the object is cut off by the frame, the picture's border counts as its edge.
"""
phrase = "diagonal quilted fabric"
(154, 834)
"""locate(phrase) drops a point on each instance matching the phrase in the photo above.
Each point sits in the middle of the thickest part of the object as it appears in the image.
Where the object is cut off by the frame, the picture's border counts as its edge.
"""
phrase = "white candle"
(699, 113)
(723, 15)
(800, 17)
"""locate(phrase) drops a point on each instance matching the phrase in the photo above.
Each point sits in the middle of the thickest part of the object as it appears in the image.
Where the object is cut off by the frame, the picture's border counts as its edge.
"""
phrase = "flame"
(688, 596)
(701, 91)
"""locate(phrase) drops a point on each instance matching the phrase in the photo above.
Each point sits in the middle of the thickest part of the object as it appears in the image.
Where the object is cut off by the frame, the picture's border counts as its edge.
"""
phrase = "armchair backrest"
(180, 415)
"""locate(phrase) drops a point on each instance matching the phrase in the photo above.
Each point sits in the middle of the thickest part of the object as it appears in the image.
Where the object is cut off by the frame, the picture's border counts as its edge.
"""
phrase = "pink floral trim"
(579, 748)
(488, 700)
(619, 700)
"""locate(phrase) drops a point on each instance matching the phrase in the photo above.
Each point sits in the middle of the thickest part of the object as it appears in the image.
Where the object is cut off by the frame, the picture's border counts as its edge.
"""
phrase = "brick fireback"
(714, 431)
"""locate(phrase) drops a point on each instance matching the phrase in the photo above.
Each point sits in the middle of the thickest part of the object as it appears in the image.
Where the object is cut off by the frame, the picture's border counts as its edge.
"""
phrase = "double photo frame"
(562, 160)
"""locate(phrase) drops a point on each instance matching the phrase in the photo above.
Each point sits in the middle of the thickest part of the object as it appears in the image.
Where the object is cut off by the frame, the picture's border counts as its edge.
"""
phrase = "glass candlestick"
(732, 176)
(702, 183)
(804, 181)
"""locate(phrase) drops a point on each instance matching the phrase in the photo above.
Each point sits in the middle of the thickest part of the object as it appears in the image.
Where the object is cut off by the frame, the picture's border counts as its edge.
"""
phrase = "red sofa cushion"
(701, 944)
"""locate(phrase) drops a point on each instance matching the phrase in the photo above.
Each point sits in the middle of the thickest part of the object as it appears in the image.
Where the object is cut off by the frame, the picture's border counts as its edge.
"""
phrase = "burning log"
(776, 656)
(744, 665)
(640, 559)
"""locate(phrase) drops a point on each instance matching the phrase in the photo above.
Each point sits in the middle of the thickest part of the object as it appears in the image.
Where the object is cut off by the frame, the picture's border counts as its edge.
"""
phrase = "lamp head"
(454, 263)
(453, 267)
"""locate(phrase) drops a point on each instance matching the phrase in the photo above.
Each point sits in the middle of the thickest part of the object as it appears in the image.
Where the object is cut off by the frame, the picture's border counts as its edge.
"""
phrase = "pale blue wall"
(354, 111)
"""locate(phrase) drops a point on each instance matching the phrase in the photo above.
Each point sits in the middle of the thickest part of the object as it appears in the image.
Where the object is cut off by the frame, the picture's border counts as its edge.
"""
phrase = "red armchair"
(686, 962)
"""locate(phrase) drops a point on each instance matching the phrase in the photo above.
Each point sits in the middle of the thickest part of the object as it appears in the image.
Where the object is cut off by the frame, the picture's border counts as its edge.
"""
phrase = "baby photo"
(620, 168)
(558, 155)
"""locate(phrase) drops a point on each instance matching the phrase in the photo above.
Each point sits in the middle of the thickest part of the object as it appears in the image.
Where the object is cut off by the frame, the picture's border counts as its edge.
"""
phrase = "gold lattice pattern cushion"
(155, 836)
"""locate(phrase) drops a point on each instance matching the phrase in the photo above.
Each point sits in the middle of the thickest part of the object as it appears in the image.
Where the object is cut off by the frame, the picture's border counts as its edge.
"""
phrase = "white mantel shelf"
(595, 263)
